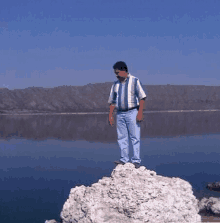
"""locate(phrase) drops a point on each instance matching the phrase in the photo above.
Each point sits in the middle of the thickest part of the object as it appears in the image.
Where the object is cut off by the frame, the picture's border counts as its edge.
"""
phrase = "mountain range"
(94, 98)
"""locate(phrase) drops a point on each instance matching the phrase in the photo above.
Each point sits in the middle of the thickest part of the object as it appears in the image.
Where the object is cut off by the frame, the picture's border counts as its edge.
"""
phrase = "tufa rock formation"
(210, 205)
(133, 196)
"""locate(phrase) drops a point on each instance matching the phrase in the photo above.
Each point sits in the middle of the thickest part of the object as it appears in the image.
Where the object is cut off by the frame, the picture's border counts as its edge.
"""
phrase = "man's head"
(120, 69)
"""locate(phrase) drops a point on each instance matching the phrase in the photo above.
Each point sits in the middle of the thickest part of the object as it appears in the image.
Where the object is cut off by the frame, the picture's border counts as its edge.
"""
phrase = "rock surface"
(133, 196)
(215, 186)
(210, 205)
(51, 221)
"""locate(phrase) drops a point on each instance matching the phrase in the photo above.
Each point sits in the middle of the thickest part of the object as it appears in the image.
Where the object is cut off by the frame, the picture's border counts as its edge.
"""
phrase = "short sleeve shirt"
(128, 94)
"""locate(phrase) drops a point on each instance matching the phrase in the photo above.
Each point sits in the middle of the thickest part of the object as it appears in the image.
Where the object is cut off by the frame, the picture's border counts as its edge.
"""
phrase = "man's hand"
(111, 120)
(140, 116)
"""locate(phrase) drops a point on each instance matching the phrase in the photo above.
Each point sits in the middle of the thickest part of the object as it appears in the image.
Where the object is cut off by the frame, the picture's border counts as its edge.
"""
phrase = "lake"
(43, 156)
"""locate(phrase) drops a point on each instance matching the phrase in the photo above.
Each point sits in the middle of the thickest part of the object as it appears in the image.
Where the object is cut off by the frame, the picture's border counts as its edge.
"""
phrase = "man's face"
(121, 74)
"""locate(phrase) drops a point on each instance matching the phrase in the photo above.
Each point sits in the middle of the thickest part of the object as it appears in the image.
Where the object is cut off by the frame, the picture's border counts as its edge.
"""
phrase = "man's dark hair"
(120, 65)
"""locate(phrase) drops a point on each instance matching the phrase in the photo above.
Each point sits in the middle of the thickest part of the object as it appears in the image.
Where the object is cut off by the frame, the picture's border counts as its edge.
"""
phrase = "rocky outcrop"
(133, 196)
(51, 221)
(215, 186)
(210, 205)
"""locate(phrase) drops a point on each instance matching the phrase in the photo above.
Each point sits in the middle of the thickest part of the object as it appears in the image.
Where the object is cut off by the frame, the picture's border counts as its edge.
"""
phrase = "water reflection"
(50, 167)
(95, 128)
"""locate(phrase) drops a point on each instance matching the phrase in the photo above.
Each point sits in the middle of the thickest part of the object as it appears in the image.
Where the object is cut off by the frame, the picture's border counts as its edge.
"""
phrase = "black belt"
(129, 109)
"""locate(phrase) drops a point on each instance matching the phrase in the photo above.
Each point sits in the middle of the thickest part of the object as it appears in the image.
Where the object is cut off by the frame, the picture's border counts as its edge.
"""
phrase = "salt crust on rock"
(211, 203)
(133, 196)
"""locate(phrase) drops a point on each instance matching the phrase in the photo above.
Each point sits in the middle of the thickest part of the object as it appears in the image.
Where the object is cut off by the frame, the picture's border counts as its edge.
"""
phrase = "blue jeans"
(127, 124)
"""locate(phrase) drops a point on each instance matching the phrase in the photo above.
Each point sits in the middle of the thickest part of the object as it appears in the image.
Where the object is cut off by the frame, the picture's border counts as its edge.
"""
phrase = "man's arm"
(142, 105)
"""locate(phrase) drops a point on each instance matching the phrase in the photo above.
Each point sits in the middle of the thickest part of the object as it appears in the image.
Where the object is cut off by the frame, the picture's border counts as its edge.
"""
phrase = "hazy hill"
(94, 98)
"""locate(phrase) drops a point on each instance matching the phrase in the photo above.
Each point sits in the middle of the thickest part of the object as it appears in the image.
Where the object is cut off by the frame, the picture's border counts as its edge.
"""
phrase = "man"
(125, 95)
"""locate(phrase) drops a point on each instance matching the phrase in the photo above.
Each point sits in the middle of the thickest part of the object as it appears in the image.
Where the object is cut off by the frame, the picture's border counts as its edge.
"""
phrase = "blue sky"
(50, 43)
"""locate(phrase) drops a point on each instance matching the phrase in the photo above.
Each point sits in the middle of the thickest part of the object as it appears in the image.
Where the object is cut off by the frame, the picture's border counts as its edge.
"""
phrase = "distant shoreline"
(94, 113)
(93, 99)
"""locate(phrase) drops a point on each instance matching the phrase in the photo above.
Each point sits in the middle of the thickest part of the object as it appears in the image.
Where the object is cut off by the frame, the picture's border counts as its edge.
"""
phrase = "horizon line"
(88, 113)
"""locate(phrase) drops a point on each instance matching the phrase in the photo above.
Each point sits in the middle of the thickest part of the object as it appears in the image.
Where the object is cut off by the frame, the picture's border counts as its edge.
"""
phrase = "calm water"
(43, 156)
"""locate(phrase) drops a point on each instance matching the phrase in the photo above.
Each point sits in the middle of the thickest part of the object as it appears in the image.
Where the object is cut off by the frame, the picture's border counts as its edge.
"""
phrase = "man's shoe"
(119, 162)
(137, 165)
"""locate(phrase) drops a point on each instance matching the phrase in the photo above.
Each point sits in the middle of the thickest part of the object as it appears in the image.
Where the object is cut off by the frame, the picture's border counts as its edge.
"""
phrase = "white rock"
(51, 221)
(210, 204)
(133, 196)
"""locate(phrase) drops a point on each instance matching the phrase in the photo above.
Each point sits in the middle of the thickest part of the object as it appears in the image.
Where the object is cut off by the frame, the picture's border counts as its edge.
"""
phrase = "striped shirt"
(128, 94)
